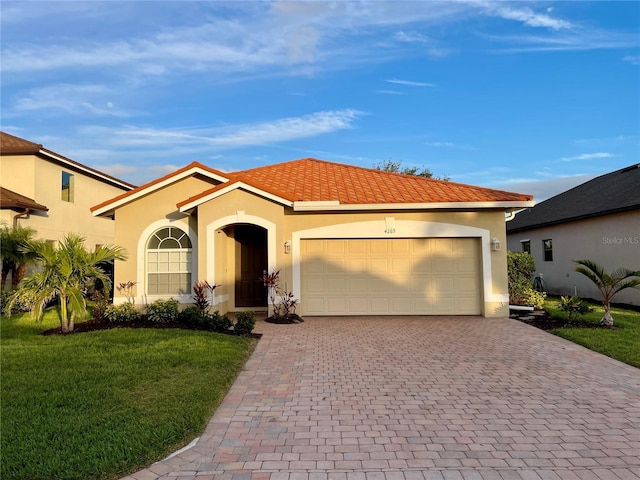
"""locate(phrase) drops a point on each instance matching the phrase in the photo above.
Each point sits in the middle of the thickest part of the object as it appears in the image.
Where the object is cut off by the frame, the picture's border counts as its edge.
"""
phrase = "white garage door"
(405, 276)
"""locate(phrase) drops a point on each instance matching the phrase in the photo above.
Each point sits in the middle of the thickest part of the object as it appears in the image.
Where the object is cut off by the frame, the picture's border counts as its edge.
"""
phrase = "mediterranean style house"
(53, 194)
(346, 240)
(598, 220)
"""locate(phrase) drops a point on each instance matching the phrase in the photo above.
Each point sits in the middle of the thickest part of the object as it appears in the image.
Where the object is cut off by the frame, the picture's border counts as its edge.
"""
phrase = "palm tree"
(14, 258)
(64, 273)
(609, 284)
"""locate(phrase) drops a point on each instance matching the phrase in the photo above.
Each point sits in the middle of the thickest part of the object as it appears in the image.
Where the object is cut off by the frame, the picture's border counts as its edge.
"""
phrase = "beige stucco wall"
(137, 220)
(216, 249)
(40, 180)
(612, 241)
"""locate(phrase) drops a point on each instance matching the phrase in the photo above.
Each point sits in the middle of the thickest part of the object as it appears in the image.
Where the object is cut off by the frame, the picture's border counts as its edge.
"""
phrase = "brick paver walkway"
(381, 398)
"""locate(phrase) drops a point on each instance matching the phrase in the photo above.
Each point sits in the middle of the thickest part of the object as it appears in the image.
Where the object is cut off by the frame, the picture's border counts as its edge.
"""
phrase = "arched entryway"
(251, 262)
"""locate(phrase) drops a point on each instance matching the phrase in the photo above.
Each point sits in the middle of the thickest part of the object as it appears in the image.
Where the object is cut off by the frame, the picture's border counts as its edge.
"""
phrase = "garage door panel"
(421, 285)
(358, 305)
(357, 265)
(336, 285)
(466, 265)
(466, 286)
(422, 266)
(380, 305)
(336, 305)
(379, 285)
(335, 266)
(443, 265)
(379, 247)
(379, 266)
(390, 276)
(314, 285)
(422, 304)
(315, 266)
(401, 305)
(338, 247)
(356, 247)
(357, 285)
(400, 266)
(400, 246)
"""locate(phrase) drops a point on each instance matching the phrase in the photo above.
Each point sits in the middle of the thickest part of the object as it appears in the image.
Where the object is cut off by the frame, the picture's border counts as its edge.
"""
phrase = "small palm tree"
(609, 284)
(64, 273)
(14, 258)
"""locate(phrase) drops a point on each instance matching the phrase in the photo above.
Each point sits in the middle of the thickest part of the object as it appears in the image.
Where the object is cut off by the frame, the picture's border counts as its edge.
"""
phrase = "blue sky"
(532, 97)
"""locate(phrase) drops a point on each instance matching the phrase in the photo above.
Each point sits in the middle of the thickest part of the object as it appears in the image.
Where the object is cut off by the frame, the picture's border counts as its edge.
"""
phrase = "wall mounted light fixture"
(495, 244)
(287, 247)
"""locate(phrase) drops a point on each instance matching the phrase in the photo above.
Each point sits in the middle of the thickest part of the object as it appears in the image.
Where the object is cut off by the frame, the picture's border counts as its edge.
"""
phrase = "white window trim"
(141, 268)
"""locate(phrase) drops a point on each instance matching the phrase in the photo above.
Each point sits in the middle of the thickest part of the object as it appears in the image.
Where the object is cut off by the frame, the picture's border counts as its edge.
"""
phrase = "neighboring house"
(347, 240)
(598, 220)
(53, 194)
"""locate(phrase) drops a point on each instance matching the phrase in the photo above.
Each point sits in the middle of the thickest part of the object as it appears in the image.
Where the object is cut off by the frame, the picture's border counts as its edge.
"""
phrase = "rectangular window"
(67, 187)
(526, 246)
(169, 272)
(547, 246)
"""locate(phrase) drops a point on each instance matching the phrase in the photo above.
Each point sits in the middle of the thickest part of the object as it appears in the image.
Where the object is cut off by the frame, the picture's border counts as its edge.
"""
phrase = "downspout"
(24, 214)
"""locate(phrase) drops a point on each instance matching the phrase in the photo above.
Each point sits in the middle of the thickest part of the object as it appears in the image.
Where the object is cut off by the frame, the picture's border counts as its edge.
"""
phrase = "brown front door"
(251, 263)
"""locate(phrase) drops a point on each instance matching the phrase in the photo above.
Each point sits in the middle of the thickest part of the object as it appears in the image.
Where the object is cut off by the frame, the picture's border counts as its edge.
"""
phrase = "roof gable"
(192, 169)
(613, 192)
(14, 201)
(12, 145)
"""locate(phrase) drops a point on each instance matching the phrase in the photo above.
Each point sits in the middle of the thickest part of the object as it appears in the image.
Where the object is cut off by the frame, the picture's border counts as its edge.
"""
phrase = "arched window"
(169, 262)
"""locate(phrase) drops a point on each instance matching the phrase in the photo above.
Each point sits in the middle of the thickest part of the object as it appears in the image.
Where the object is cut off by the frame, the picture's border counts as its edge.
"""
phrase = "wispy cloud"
(410, 83)
(633, 59)
(526, 16)
(440, 144)
(587, 156)
(431, 47)
(411, 37)
(389, 92)
(281, 130)
(71, 99)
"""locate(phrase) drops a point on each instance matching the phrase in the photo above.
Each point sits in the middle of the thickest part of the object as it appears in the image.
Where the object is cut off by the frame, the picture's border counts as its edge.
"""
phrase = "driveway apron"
(418, 398)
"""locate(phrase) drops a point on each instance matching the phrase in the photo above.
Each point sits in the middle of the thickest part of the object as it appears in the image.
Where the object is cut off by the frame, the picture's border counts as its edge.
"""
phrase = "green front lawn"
(622, 342)
(103, 404)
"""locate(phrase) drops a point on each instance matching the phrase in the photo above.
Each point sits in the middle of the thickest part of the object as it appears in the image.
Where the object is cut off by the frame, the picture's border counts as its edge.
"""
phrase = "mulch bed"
(287, 319)
(95, 325)
(541, 319)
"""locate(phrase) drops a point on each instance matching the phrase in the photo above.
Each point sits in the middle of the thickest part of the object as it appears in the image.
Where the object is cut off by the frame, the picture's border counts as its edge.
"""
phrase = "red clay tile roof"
(14, 201)
(309, 179)
(11, 145)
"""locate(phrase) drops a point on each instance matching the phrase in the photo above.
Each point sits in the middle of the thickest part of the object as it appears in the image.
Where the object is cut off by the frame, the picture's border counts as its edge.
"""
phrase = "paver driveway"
(381, 398)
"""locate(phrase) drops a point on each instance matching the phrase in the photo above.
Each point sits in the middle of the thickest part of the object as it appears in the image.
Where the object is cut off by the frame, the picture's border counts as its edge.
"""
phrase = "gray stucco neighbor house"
(598, 220)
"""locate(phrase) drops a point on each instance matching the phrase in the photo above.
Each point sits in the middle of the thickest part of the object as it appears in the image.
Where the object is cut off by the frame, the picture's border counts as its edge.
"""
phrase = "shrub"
(574, 306)
(100, 305)
(520, 270)
(287, 304)
(24, 302)
(125, 312)
(201, 292)
(533, 298)
(245, 323)
(163, 311)
(191, 317)
(217, 323)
